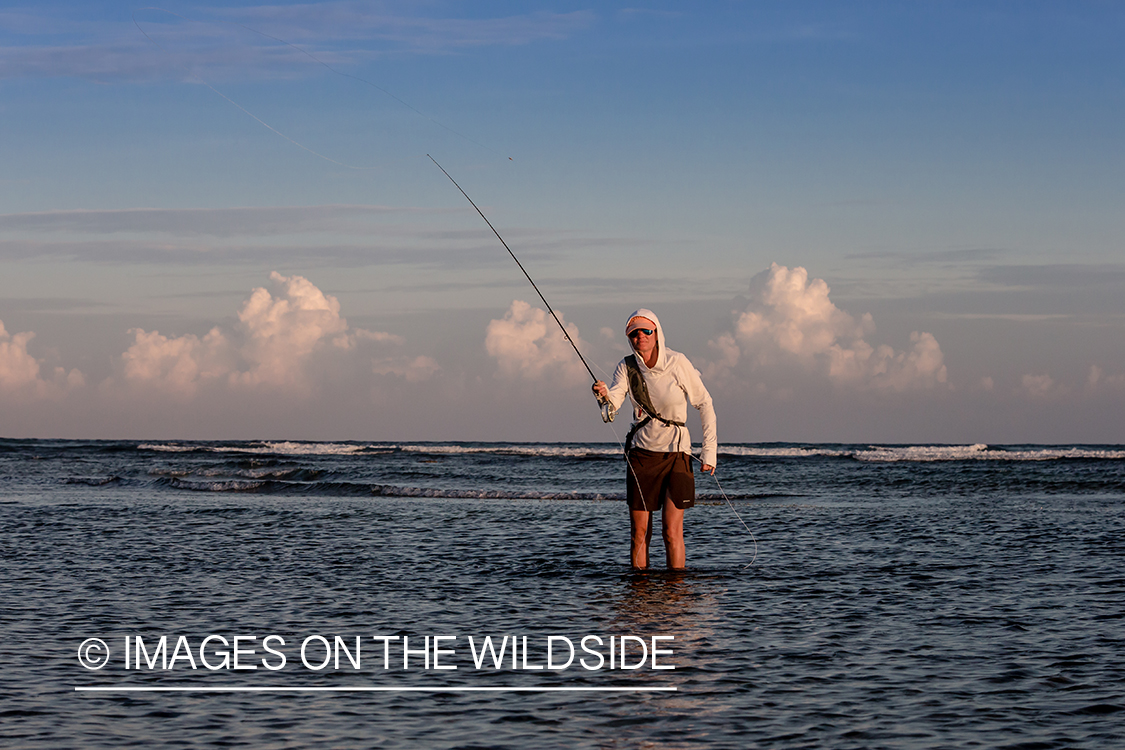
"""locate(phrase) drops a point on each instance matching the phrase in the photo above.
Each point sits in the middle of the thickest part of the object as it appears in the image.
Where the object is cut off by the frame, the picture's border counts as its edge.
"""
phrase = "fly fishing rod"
(608, 412)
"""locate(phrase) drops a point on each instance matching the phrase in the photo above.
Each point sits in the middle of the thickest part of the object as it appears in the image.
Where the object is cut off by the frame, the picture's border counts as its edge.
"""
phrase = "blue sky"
(951, 172)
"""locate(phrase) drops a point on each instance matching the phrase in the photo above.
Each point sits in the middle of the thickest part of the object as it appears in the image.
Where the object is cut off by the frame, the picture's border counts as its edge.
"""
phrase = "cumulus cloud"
(20, 371)
(17, 367)
(411, 369)
(527, 344)
(1039, 386)
(178, 364)
(1097, 379)
(286, 341)
(283, 331)
(788, 326)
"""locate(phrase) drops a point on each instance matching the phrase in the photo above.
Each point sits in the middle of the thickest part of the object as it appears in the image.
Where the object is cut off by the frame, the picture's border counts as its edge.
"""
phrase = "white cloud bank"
(291, 341)
(1040, 386)
(528, 344)
(1098, 379)
(1044, 387)
(20, 371)
(789, 330)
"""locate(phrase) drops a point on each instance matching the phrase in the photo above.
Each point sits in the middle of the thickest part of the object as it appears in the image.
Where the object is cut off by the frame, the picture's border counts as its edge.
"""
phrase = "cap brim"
(636, 323)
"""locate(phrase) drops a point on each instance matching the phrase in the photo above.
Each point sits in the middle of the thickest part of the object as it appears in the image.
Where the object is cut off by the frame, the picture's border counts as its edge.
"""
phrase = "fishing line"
(606, 405)
(624, 453)
(316, 59)
(717, 484)
(608, 408)
(517, 260)
(736, 515)
(575, 346)
(240, 107)
(695, 458)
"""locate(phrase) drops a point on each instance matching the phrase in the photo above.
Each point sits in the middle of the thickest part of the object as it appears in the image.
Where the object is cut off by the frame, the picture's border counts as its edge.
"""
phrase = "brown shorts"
(653, 477)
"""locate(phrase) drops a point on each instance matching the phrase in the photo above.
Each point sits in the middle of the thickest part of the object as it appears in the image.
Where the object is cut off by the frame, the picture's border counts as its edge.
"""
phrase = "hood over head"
(661, 349)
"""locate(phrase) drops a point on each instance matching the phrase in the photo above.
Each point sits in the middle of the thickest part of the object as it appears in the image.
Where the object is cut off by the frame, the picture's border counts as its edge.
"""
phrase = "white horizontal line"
(234, 689)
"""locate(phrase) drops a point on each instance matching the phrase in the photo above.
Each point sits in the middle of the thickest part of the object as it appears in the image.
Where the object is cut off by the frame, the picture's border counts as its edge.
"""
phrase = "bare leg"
(672, 523)
(641, 527)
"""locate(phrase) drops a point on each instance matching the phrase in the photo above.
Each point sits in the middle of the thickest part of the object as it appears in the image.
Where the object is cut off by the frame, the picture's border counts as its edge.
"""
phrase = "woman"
(660, 383)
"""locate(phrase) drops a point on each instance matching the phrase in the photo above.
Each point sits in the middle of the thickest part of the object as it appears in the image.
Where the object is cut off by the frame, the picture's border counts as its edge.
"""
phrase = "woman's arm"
(699, 397)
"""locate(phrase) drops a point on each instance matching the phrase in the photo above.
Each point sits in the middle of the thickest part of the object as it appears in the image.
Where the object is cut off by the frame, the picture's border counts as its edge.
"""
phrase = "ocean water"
(890, 597)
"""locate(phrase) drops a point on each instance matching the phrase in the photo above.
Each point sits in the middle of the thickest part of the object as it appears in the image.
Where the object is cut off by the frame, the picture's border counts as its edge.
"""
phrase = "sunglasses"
(645, 331)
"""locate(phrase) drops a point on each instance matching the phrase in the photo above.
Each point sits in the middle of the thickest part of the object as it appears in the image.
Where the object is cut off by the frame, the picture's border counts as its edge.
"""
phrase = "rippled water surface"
(901, 596)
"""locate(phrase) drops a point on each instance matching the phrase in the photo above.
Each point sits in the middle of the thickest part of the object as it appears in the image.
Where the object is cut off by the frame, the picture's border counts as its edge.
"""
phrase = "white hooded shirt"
(672, 384)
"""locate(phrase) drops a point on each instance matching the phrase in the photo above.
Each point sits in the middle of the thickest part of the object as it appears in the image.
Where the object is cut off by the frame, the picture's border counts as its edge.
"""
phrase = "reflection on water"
(686, 604)
(911, 615)
(683, 603)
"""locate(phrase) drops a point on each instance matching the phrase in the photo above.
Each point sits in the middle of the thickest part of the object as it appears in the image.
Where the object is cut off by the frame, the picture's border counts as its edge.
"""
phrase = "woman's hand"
(709, 469)
(600, 390)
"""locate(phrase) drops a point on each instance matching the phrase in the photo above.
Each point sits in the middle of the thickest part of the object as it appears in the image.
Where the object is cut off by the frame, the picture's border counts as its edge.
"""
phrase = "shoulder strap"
(639, 390)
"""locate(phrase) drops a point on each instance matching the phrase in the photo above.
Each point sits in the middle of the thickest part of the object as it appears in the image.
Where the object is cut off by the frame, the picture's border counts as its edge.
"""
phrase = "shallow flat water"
(893, 602)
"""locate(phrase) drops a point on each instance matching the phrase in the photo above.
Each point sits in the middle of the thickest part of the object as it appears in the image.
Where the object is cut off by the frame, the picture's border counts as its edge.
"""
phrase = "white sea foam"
(883, 453)
(287, 448)
(230, 485)
(166, 447)
(870, 453)
(563, 451)
(978, 452)
(294, 448)
(788, 451)
(920, 453)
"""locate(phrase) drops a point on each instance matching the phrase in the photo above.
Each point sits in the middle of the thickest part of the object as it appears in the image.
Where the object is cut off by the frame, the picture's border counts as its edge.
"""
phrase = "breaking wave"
(874, 453)
(350, 449)
(925, 453)
(285, 448)
(562, 451)
(570, 471)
